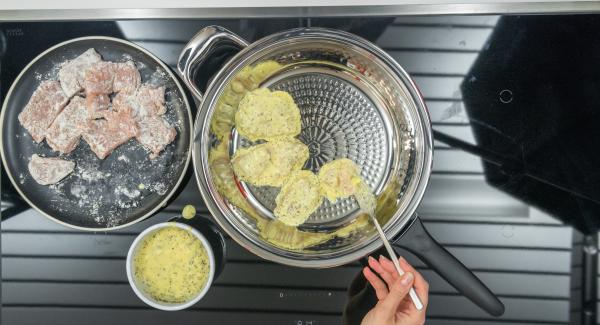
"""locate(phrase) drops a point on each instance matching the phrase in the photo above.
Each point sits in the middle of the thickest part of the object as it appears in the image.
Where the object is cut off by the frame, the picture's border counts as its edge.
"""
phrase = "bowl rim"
(139, 292)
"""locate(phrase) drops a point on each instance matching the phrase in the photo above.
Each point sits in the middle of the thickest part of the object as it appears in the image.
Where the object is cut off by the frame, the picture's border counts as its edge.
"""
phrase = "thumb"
(398, 291)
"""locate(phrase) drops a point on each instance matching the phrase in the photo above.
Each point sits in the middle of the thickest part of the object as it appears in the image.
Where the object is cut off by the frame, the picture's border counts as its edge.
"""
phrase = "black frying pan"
(120, 190)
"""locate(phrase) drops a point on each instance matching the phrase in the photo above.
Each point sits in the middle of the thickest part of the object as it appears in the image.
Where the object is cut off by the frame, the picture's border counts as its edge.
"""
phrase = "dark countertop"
(517, 246)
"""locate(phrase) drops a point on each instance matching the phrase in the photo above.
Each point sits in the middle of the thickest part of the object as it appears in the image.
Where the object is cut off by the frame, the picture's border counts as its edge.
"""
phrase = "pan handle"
(418, 241)
(207, 51)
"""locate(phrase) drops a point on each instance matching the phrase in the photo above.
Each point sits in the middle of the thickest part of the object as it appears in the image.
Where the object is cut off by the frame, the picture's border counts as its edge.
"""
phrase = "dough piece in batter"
(266, 115)
(46, 171)
(298, 199)
(65, 132)
(244, 81)
(270, 163)
(72, 74)
(47, 101)
(223, 176)
(262, 70)
(127, 78)
(339, 179)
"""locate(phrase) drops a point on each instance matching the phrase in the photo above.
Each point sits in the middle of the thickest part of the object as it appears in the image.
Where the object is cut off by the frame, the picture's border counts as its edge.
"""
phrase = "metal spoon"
(366, 200)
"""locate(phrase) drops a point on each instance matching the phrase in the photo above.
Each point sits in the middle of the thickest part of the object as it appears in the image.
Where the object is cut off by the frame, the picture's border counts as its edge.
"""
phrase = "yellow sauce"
(171, 265)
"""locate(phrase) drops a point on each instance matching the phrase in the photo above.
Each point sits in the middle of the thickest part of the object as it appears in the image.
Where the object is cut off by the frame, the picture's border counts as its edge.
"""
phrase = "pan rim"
(163, 66)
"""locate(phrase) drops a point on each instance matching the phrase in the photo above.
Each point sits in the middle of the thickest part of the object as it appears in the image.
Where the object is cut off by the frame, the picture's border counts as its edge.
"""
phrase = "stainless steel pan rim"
(190, 126)
(219, 208)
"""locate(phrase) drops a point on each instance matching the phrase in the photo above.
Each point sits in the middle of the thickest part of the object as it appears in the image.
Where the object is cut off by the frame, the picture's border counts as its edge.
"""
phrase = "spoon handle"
(413, 295)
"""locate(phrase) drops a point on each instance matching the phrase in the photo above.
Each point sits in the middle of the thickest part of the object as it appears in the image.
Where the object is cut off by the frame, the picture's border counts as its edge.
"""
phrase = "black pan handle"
(13, 210)
(418, 241)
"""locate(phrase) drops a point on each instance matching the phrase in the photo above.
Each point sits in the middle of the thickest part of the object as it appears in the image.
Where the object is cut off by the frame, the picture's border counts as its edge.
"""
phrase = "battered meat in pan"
(127, 78)
(48, 171)
(104, 135)
(96, 105)
(99, 78)
(146, 101)
(65, 132)
(72, 74)
(43, 107)
(155, 134)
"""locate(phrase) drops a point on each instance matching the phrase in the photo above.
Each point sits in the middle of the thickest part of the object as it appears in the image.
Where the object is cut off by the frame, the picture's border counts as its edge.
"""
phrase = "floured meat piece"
(104, 135)
(48, 171)
(152, 99)
(45, 104)
(96, 105)
(127, 78)
(99, 78)
(155, 134)
(147, 101)
(65, 132)
(72, 74)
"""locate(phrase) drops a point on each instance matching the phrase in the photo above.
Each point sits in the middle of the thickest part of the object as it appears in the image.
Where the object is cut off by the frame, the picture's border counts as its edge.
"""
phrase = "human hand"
(395, 306)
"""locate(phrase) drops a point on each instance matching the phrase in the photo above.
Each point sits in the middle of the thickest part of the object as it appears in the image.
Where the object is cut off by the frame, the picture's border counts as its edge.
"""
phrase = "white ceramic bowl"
(149, 299)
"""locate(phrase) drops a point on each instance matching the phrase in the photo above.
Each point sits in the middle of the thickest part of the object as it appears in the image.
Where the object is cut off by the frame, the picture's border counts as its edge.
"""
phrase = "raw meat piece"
(96, 104)
(48, 171)
(147, 101)
(65, 132)
(45, 104)
(99, 78)
(127, 78)
(155, 134)
(152, 100)
(72, 74)
(105, 135)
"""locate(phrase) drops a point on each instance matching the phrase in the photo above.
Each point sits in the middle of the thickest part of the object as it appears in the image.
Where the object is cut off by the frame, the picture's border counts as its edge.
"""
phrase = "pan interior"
(356, 107)
(341, 118)
(100, 194)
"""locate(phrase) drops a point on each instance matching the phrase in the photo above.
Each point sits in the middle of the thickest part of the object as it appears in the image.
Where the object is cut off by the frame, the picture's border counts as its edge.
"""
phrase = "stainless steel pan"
(355, 102)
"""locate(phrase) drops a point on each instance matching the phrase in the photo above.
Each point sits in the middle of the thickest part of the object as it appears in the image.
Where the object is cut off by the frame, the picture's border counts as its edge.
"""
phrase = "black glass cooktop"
(514, 101)
(530, 90)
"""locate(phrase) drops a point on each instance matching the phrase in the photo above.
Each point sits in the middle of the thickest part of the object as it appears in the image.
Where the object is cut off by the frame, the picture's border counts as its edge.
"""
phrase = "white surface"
(132, 4)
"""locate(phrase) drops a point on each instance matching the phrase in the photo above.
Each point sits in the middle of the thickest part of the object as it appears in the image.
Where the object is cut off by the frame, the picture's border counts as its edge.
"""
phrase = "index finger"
(420, 284)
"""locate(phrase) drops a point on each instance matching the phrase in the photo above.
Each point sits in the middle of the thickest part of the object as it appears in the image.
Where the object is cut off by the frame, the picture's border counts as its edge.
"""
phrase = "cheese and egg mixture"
(299, 197)
(270, 163)
(171, 265)
(267, 115)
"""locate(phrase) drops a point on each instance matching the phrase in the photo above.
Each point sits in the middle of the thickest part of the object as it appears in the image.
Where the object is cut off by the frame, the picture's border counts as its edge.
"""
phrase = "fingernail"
(382, 258)
(407, 279)
(371, 259)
